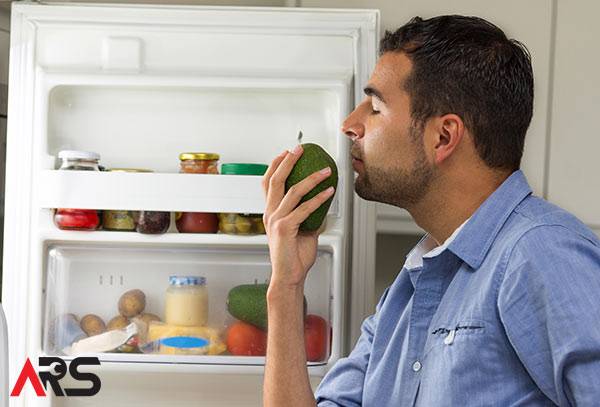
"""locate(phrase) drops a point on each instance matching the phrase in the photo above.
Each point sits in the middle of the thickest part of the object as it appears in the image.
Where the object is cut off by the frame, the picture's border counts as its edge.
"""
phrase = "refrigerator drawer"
(98, 296)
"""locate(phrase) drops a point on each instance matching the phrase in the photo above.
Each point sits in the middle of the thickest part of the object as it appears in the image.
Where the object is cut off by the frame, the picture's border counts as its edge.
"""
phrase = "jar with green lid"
(121, 220)
(242, 223)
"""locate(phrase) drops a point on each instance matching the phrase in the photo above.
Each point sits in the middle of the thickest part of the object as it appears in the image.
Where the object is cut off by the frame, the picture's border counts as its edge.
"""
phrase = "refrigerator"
(140, 84)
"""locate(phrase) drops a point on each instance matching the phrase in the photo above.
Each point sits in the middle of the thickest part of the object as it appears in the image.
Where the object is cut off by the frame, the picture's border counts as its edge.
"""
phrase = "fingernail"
(297, 149)
(325, 170)
(330, 190)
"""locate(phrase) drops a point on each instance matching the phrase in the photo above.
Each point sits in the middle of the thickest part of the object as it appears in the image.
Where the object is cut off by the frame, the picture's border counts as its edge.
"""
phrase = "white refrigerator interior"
(139, 85)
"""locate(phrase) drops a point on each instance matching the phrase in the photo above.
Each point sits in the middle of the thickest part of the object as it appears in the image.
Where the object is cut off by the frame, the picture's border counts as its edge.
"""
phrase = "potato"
(147, 317)
(92, 325)
(132, 303)
(118, 322)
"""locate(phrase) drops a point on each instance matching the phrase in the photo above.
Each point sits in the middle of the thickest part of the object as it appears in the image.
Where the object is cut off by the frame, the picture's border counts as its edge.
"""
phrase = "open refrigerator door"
(138, 86)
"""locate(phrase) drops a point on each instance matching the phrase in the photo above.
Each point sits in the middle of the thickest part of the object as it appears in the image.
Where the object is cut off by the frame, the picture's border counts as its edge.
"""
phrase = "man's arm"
(292, 254)
(286, 376)
(549, 304)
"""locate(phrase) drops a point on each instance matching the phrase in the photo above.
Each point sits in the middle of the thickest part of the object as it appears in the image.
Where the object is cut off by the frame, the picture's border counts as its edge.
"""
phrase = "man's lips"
(356, 163)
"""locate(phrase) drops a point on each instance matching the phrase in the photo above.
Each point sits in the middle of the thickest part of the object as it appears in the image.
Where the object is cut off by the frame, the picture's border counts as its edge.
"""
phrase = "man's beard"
(397, 186)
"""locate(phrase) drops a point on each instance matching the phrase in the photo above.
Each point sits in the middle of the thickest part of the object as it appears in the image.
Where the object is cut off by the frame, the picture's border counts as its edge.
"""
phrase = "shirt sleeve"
(549, 304)
(343, 384)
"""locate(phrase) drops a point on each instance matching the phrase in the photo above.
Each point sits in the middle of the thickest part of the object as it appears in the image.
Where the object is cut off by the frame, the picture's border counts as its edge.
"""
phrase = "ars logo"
(40, 380)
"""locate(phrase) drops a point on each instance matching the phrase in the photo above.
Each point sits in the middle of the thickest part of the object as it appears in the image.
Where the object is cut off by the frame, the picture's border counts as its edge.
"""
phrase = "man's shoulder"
(536, 218)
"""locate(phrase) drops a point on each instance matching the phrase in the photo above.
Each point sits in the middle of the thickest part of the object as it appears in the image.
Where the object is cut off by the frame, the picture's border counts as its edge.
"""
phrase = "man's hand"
(292, 252)
(292, 255)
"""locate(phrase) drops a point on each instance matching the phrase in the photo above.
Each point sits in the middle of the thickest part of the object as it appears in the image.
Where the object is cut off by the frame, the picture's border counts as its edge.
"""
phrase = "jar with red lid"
(198, 222)
(77, 219)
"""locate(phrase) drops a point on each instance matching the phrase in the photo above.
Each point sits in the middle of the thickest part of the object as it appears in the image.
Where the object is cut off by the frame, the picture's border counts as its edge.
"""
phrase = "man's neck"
(453, 202)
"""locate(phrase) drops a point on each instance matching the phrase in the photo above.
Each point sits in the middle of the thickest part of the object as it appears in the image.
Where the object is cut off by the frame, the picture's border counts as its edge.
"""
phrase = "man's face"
(388, 151)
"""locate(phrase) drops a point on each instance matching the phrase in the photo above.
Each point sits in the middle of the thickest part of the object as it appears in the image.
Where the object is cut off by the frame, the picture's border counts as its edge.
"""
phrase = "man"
(499, 304)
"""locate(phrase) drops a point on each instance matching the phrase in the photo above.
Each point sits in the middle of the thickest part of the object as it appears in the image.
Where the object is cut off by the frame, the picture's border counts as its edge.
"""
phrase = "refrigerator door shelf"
(150, 191)
(146, 121)
(48, 233)
(154, 192)
(91, 279)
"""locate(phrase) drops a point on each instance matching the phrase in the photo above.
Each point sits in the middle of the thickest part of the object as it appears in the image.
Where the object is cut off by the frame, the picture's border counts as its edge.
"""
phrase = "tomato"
(246, 340)
(315, 337)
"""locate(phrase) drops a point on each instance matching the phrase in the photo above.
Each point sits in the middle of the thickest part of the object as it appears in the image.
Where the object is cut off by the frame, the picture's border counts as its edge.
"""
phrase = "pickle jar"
(77, 219)
(121, 220)
(242, 223)
(198, 222)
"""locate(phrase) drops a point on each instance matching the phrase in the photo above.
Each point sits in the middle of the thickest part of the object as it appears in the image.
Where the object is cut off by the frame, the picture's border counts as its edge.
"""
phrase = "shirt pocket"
(463, 336)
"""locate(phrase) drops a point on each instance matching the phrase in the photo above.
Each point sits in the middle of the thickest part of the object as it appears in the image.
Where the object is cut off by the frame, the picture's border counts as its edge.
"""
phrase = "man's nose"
(353, 127)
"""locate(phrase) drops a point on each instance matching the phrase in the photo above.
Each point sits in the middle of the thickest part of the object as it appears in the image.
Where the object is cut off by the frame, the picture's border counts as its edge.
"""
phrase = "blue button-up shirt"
(508, 314)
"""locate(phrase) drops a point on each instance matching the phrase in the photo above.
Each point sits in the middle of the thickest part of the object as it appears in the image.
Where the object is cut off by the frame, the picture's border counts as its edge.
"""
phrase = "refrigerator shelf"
(154, 191)
(53, 234)
(95, 281)
(171, 364)
(150, 191)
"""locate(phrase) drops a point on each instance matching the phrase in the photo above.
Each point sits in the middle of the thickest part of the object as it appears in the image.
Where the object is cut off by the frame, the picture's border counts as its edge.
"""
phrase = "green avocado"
(313, 159)
(248, 303)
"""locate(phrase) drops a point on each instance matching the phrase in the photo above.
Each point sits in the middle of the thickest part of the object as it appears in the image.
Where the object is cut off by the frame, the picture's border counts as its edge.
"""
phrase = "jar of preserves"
(199, 163)
(153, 222)
(198, 222)
(242, 223)
(77, 219)
(121, 220)
(186, 301)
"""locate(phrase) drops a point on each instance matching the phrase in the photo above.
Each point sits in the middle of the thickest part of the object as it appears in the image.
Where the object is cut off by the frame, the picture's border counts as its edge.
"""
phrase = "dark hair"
(467, 66)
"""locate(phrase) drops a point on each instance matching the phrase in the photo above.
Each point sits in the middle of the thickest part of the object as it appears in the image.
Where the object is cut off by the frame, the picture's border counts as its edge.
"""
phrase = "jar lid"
(244, 169)
(187, 280)
(198, 156)
(129, 170)
(78, 155)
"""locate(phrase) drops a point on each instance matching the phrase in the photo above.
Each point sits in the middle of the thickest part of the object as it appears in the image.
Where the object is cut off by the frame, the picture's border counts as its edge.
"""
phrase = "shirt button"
(416, 366)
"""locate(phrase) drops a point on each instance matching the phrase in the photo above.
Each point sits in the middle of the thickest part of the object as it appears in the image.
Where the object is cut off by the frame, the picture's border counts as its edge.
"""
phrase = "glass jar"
(242, 223)
(153, 222)
(198, 222)
(77, 219)
(186, 301)
(121, 220)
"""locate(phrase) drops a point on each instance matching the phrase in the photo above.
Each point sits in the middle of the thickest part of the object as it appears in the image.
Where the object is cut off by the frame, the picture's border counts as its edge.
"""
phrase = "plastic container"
(198, 222)
(242, 223)
(121, 220)
(77, 219)
(186, 301)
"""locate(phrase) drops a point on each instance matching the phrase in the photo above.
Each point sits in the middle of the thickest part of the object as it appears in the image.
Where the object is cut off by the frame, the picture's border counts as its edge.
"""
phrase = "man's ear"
(449, 130)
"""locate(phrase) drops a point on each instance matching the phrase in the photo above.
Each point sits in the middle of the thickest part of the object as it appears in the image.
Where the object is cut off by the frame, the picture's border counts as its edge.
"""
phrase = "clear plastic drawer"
(112, 300)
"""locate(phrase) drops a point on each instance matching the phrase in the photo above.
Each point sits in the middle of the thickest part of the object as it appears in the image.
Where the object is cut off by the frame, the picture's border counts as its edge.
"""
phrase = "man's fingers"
(295, 193)
(276, 183)
(303, 211)
(269, 173)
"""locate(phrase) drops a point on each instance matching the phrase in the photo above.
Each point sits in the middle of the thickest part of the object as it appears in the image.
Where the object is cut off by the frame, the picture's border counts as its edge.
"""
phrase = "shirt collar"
(427, 248)
(481, 230)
